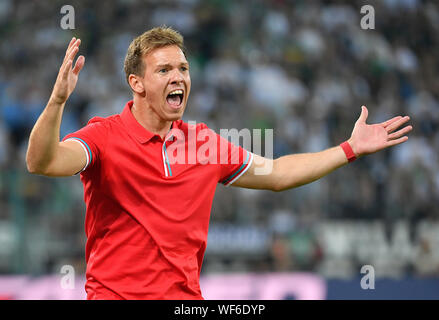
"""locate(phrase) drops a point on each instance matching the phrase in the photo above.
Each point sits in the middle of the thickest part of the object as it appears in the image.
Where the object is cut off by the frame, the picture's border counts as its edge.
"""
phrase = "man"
(147, 218)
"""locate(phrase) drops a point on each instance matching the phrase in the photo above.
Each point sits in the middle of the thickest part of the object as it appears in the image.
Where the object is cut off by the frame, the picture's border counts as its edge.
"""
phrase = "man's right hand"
(68, 76)
(46, 155)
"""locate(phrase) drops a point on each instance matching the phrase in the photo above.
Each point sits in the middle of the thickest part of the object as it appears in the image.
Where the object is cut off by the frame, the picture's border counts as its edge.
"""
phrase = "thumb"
(363, 115)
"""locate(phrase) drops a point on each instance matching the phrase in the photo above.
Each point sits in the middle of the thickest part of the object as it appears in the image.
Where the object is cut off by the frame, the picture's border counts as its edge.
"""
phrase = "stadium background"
(303, 68)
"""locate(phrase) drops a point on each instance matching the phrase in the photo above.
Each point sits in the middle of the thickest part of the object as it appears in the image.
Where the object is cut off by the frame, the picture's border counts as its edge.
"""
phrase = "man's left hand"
(370, 138)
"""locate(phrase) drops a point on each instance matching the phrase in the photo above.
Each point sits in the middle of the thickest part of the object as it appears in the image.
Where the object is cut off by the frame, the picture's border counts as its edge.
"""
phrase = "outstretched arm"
(46, 154)
(298, 169)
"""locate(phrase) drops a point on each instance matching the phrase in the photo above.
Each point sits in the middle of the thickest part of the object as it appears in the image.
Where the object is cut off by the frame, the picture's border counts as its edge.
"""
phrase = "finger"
(73, 53)
(79, 64)
(72, 46)
(66, 70)
(397, 141)
(386, 123)
(71, 43)
(400, 133)
(69, 47)
(68, 61)
(363, 115)
(397, 124)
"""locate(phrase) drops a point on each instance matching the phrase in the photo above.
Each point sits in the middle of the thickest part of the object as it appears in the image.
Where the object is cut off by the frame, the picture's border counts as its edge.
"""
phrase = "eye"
(163, 70)
(184, 68)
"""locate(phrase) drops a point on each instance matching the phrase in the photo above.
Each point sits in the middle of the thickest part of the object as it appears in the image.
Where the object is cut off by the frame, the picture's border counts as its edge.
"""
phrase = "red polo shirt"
(148, 204)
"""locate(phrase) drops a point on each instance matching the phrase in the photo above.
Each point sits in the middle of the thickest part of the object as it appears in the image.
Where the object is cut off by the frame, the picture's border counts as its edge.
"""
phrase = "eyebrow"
(167, 65)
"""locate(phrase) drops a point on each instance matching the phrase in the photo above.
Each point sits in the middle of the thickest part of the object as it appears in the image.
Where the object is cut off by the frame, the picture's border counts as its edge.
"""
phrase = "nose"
(176, 77)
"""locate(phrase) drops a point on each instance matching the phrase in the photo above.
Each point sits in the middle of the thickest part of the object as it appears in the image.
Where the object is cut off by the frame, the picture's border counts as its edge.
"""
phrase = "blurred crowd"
(302, 68)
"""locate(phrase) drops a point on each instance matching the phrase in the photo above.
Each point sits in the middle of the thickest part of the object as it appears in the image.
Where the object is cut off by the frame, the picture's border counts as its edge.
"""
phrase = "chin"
(175, 114)
(175, 118)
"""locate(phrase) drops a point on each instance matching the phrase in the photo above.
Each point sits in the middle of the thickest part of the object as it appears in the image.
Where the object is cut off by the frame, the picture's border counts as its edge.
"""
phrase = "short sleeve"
(92, 138)
(234, 161)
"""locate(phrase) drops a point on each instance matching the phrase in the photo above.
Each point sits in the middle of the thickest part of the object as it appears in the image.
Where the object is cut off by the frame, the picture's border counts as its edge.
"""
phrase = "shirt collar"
(135, 128)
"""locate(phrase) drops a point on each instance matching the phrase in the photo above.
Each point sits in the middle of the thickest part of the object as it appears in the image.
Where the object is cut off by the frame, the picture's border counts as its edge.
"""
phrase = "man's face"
(167, 82)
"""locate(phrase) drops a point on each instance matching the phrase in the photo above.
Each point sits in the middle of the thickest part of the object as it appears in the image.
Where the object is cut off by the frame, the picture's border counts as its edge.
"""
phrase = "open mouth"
(175, 98)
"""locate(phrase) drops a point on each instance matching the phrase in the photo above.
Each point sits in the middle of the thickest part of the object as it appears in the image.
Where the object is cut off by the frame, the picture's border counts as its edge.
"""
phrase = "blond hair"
(155, 38)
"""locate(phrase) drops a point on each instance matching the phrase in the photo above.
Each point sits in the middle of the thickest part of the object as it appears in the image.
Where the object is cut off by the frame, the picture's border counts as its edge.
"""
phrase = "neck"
(149, 119)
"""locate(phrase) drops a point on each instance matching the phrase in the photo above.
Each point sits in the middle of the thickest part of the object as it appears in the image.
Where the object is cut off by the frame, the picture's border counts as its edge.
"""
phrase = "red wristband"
(348, 151)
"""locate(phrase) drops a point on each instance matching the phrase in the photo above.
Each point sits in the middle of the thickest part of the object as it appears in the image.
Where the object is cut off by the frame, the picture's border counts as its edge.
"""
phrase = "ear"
(135, 84)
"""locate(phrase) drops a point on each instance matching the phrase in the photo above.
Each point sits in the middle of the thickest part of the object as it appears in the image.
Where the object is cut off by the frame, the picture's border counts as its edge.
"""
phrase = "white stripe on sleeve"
(243, 171)
(86, 153)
